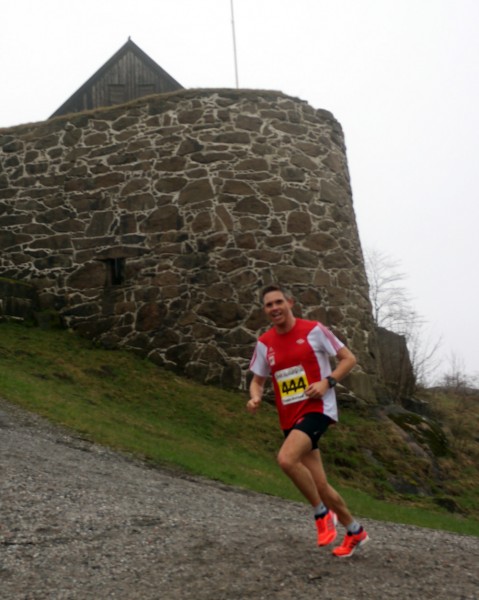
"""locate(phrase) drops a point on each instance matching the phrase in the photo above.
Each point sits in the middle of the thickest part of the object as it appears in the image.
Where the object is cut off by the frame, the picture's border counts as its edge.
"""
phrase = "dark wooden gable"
(129, 74)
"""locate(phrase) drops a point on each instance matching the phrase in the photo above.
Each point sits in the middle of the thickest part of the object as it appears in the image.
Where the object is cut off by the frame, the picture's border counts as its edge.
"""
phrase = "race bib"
(292, 384)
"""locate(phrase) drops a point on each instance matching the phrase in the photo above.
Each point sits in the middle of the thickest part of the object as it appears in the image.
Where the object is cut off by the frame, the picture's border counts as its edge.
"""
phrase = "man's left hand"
(318, 389)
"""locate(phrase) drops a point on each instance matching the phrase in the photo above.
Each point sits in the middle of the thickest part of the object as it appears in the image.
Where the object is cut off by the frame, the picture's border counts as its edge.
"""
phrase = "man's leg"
(290, 458)
(313, 463)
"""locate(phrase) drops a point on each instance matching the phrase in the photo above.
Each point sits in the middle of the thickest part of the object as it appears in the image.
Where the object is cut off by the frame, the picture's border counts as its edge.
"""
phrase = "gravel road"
(79, 521)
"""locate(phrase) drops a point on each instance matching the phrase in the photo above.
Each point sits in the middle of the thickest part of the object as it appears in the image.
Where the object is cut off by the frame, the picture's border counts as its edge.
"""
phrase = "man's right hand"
(253, 404)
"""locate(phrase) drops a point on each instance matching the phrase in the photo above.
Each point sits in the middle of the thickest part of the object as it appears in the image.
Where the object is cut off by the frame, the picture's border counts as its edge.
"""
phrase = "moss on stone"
(425, 432)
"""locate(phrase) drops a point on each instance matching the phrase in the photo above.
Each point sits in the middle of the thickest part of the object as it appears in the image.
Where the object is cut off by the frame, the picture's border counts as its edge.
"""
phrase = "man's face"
(278, 309)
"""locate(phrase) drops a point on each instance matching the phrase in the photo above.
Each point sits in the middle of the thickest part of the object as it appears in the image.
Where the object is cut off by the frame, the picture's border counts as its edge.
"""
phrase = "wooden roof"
(129, 74)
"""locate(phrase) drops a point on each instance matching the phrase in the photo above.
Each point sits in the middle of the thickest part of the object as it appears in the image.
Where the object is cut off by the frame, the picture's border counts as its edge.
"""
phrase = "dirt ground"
(78, 521)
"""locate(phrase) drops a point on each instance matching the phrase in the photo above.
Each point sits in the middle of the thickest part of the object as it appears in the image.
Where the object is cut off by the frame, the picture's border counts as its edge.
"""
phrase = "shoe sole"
(358, 546)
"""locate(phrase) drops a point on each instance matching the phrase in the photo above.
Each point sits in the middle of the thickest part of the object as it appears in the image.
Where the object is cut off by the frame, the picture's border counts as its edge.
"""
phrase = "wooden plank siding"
(129, 74)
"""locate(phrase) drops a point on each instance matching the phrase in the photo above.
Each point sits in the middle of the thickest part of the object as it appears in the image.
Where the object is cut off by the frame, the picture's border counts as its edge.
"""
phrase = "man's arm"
(256, 389)
(345, 362)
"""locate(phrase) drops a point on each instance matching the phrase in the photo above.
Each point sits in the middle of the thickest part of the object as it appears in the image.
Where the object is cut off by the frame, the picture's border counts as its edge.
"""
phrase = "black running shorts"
(313, 425)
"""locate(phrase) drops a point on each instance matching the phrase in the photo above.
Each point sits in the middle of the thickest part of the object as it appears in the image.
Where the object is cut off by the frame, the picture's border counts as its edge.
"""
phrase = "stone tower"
(153, 225)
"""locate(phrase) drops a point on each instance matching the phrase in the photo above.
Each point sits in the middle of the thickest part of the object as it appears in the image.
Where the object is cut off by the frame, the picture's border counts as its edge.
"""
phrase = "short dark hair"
(275, 287)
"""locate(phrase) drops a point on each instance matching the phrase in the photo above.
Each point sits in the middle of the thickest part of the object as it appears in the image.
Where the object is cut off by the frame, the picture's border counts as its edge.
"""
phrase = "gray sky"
(401, 76)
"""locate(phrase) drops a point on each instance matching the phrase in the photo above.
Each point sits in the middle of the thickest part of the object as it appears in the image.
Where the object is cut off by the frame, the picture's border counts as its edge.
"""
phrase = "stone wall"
(18, 299)
(153, 225)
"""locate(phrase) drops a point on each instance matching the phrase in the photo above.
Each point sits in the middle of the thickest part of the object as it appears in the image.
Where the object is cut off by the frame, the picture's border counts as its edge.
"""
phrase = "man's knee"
(286, 461)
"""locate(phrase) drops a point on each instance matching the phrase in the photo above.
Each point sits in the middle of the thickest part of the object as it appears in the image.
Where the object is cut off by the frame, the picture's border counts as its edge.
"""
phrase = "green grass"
(127, 403)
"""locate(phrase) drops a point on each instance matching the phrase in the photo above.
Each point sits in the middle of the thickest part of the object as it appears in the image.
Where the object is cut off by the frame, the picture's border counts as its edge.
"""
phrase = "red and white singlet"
(295, 360)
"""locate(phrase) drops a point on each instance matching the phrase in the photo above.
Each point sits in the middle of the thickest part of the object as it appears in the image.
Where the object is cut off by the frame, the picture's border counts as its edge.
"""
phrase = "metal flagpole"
(234, 43)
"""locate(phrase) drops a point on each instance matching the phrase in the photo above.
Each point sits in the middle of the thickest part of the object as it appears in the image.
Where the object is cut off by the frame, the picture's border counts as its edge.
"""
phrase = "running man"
(295, 353)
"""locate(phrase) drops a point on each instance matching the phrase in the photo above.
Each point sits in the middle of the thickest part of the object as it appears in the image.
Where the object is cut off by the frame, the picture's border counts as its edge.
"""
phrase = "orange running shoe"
(351, 542)
(327, 528)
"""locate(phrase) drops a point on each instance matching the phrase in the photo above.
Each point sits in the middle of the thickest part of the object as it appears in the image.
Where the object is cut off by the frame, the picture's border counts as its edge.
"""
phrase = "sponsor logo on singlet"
(270, 357)
(292, 384)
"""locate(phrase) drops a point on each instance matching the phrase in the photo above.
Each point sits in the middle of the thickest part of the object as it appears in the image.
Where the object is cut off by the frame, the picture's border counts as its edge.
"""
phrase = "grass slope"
(118, 399)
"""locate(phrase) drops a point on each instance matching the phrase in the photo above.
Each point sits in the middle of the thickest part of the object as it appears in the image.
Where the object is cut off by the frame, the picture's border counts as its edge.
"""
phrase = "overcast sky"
(401, 76)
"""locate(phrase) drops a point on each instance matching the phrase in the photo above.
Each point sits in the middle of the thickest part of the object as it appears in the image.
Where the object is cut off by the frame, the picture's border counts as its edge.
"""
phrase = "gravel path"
(78, 521)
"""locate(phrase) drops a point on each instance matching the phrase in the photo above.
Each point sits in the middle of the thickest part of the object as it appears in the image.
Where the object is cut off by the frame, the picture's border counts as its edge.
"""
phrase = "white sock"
(353, 527)
(320, 510)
